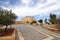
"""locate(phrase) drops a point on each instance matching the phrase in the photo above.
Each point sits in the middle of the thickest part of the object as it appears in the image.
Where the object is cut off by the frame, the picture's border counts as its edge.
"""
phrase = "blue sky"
(40, 9)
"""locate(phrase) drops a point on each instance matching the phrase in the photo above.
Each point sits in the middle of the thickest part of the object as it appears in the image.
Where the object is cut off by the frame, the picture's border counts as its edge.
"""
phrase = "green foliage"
(58, 21)
(7, 17)
(46, 21)
(52, 18)
(40, 21)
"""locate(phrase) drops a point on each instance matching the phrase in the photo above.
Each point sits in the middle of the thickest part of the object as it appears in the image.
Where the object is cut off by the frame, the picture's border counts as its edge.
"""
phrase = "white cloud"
(39, 8)
(26, 1)
(27, 11)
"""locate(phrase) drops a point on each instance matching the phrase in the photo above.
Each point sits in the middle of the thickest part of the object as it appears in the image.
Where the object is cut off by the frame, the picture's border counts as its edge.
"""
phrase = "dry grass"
(8, 35)
(54, 28)
(8, 32)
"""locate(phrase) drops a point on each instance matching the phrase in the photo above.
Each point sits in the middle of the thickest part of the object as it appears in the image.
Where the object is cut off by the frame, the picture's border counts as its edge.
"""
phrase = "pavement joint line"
(49, 37)
(50, 33)
(20, 35)
(53, 34)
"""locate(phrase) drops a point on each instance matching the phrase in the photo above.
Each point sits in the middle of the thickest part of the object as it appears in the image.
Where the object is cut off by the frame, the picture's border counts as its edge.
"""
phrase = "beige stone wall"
(17, 22)
(28, 19)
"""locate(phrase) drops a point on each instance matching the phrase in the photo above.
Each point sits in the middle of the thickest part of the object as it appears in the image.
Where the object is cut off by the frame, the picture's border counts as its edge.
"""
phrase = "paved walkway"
(36, 33)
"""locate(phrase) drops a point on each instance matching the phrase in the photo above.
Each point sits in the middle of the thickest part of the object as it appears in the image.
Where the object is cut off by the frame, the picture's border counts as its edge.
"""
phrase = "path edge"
(20, 35)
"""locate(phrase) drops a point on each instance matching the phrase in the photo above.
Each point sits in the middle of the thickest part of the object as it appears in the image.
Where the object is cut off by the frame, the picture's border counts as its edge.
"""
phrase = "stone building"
(28, 19)
(17, 22)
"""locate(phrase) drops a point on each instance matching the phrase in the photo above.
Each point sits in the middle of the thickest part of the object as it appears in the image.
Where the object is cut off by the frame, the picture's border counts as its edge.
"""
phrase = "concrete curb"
(20, 35)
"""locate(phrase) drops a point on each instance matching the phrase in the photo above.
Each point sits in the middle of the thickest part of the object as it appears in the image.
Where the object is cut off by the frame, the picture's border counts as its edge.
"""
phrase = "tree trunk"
(10, 26)
(6, 27)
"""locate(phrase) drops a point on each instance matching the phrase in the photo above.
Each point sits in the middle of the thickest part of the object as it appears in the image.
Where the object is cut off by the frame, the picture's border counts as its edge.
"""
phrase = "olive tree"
(7, 17)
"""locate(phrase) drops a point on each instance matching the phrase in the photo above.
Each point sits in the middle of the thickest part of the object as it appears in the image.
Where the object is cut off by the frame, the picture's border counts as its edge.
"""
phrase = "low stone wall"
(51, 26)
(12, 37)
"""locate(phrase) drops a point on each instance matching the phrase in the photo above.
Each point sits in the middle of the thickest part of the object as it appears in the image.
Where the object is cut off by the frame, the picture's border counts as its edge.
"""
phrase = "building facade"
(28, 19)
